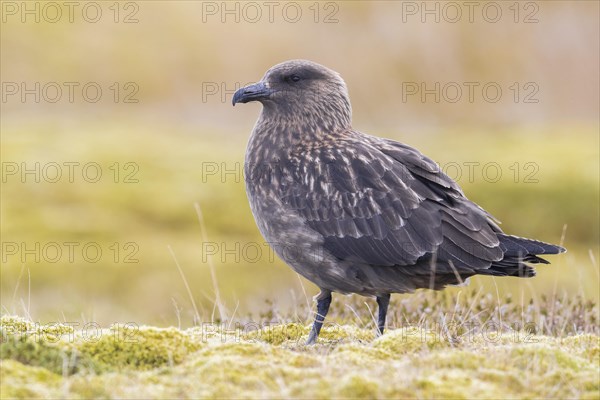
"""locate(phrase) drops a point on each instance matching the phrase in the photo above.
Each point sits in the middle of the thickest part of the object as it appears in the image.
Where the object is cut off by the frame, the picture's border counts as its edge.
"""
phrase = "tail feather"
(517, 252)
(518, 246)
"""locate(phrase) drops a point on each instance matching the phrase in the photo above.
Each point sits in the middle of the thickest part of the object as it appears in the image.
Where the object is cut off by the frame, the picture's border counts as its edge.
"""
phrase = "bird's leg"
(383, 302)
(323, 302)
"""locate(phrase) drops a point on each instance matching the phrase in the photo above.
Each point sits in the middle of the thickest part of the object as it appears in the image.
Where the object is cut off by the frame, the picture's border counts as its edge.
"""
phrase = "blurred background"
(117, 120)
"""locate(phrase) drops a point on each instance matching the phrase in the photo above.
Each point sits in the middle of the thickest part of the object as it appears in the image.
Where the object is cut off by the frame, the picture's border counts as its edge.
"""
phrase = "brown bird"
(355, 213)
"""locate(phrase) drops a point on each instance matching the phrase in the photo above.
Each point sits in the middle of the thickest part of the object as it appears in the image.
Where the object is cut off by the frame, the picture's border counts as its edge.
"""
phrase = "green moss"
(501, 378)
(587, 346)
(303, 361)
(449, 385)
(126, 346)
(359, 356)
(54, 358)
(540, 369)
(26, 382)
(12, 325)
(410, 340)
(336, 333)
(297, 334)
(278, 334)
(256, 351)
(88, 387)
(55, 331)
(233, 368)
(544, 357)
(357, 387)
(43, 345)
(347, 363)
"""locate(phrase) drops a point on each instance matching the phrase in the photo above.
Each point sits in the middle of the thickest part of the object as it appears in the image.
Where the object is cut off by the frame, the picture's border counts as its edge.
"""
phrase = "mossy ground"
(348, 362)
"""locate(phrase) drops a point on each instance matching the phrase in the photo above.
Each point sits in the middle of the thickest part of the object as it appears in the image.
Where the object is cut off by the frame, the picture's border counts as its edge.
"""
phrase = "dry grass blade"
(187, 286)
(211, 265)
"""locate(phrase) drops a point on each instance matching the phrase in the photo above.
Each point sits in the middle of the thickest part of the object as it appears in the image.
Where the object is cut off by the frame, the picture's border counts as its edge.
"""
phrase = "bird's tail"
(519, 251)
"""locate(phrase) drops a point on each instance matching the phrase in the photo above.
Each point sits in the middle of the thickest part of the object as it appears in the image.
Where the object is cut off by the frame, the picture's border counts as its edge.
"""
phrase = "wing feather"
(379, 202)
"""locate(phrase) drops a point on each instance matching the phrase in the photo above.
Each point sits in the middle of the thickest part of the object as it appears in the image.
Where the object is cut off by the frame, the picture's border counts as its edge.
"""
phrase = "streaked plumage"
(355, 213)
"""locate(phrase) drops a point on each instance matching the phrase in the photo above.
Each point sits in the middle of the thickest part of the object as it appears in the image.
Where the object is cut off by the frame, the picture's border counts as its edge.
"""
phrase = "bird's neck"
(277, 133)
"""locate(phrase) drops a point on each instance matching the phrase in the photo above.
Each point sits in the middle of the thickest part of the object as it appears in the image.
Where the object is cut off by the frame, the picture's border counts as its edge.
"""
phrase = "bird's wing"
(383, 203)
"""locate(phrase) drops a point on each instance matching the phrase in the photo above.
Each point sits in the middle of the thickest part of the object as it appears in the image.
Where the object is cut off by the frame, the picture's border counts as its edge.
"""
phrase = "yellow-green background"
(175, 129)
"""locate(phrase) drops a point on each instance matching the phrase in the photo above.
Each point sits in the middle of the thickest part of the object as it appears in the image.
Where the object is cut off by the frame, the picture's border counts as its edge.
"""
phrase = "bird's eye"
(294, 78)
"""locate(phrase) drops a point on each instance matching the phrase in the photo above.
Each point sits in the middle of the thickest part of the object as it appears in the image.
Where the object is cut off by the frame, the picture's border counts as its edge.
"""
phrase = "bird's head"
(301, 90)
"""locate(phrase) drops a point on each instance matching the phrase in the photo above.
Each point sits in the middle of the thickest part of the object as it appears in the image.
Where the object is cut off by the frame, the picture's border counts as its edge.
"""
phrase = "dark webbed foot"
(383, 302)
(323, 303)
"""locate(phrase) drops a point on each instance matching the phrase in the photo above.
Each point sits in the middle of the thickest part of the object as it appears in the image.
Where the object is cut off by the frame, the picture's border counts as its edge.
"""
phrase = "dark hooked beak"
(253, 92)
